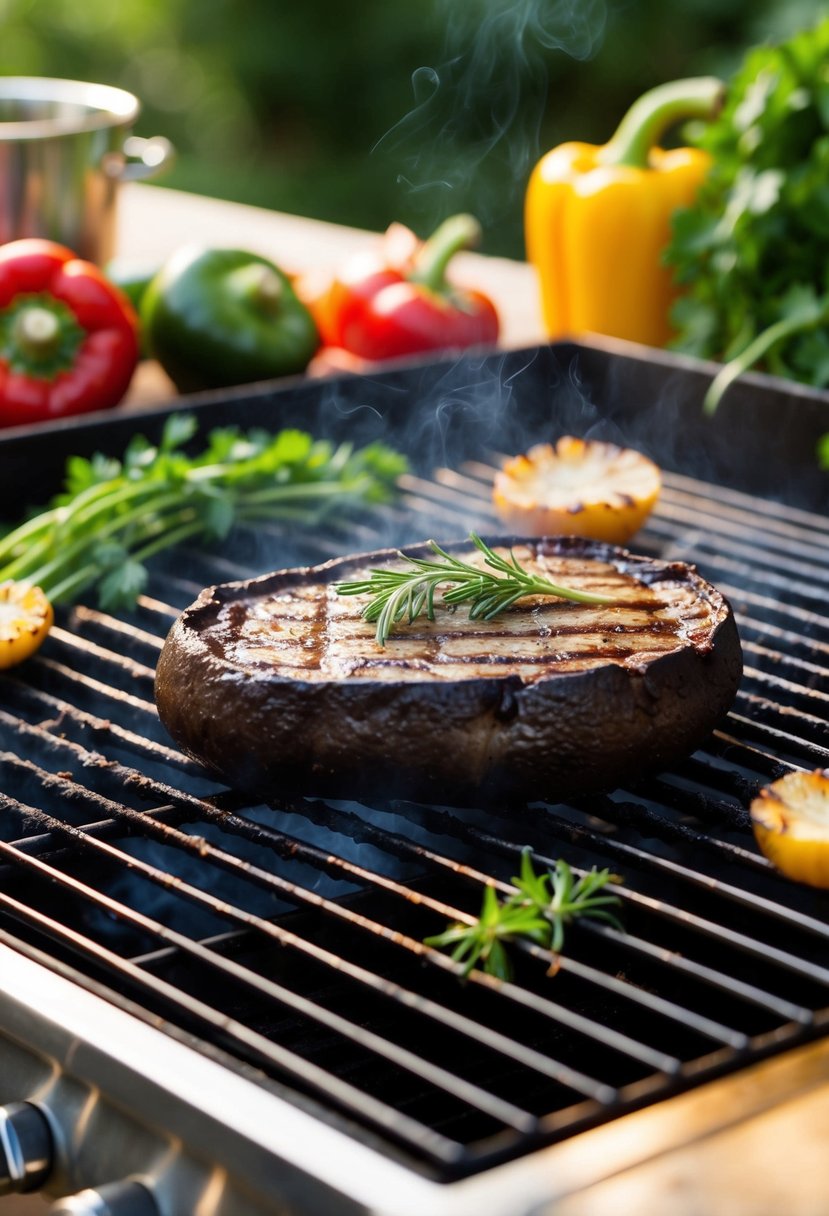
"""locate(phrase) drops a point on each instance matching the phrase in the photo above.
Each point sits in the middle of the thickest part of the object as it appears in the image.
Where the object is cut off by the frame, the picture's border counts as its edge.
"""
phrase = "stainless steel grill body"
(244, 1004)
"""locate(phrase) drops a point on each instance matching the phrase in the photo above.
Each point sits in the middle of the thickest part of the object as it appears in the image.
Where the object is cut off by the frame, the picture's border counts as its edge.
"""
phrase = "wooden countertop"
(153, 222)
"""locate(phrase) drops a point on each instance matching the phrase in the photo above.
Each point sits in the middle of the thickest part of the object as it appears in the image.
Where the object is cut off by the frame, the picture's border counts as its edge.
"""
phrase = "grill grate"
(290, 937)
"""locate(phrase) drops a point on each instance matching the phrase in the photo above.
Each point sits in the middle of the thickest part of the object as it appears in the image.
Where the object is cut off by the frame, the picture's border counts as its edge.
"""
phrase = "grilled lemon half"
(26, 617)
(577, 487)
(790, 818)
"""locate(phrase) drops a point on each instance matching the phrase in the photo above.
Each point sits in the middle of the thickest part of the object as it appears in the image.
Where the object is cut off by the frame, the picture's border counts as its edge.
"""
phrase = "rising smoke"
(476, 116)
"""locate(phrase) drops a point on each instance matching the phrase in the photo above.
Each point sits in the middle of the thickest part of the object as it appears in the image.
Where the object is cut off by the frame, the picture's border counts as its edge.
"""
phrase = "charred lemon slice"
(790, 818)
(26, 617)
(579, 487)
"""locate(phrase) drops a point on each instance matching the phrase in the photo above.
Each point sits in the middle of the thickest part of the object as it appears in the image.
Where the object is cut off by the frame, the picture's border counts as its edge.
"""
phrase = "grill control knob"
(114, 1199)
(26, 1148)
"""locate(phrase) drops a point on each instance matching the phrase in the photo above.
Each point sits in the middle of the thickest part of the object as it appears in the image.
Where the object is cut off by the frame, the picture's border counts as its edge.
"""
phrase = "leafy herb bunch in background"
(753, 252)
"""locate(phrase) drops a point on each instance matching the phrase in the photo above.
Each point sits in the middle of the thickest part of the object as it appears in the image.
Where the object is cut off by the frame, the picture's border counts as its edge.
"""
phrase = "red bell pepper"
(398, 301)
(68, 337)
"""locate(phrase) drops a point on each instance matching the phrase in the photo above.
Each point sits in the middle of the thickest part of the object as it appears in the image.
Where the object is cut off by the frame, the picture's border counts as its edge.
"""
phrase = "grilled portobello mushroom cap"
(277, 683)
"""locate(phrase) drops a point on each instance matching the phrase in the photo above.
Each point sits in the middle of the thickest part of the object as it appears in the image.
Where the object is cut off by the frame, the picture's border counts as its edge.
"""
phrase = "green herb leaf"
(483, 941)
(218, 517)
(578, 897)
(178, 430)
(120, 587)
(81, 474)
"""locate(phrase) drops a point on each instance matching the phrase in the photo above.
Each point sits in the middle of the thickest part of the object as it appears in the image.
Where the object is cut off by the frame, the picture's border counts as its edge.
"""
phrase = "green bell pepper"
(218, 317)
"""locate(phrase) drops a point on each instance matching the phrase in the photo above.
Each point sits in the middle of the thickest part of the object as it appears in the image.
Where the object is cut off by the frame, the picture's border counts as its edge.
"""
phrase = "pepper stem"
(655, 112)
(261, 285)
(37, 331)
(431, 260)
(269, 290)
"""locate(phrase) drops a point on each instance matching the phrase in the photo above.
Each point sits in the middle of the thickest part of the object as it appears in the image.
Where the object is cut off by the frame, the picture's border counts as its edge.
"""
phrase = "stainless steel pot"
(65, 147)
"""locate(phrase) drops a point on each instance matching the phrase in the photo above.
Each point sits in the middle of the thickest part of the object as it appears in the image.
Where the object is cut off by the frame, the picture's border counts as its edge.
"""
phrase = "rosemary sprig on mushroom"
(409, 592)
(538, 910)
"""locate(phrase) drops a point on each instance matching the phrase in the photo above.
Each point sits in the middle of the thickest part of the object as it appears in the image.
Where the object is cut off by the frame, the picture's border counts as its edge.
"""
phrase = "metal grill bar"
(71, 677)
(302, 1070)
(809, 669)
(784, 743)
(618, 850)
(615, 848)
(734, 543)
(473, 1095)
(455, 914)
(492, 843)
(660, 1061)
(402, 846)
(774, 515)
(102, 730)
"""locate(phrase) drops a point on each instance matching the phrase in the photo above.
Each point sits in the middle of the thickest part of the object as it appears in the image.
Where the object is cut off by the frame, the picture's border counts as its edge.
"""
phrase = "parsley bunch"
(538, 910)
(113, 515)
(752, 253)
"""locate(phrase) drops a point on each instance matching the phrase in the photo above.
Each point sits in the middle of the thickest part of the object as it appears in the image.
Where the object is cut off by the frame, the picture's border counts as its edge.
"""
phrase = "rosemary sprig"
(539, 909)
(406, 593)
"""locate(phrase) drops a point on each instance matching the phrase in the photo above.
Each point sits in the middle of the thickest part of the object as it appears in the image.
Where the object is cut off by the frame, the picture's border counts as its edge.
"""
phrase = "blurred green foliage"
(387, 109)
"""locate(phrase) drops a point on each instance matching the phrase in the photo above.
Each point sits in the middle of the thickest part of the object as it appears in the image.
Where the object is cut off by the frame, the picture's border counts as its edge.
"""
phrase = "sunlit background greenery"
(384, 109)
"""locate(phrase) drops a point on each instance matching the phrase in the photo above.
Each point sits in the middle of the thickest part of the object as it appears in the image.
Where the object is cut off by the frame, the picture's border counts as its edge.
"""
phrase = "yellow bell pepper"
(597, 219)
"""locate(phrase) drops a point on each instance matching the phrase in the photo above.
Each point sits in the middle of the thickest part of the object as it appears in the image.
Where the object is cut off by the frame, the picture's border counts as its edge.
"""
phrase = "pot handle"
(145, 158)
